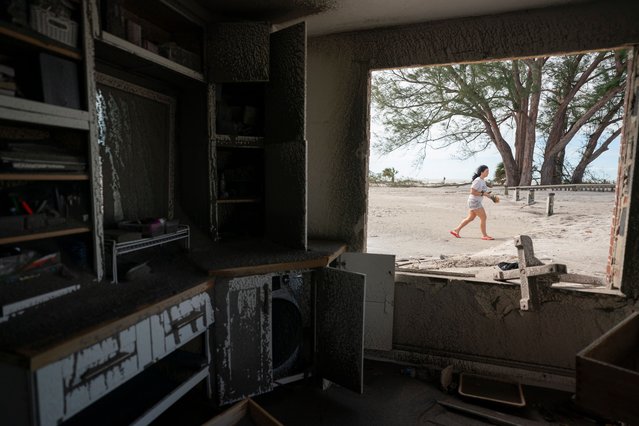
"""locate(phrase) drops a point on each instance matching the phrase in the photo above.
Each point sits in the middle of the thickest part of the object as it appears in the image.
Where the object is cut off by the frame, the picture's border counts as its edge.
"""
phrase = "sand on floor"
(414, 222)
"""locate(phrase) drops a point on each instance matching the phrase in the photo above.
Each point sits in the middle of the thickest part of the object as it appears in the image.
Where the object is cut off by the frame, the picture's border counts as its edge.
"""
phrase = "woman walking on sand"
(478, 190)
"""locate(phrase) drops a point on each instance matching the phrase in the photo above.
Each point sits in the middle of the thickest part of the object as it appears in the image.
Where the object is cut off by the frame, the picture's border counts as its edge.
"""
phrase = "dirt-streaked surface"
(414, 223)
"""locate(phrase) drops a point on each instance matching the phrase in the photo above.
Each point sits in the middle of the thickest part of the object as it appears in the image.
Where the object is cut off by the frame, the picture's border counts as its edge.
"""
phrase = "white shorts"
(474, 203)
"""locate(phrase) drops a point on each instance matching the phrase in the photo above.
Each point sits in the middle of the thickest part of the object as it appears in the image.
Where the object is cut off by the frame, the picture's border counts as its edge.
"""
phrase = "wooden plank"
(582, 279)
(44, 176)
(272, 267)
(336, 249)
(39, 42)
(231, 416)
(260, 416)
(532, 271)
(436, 272)
(43, 235)
(100, 332)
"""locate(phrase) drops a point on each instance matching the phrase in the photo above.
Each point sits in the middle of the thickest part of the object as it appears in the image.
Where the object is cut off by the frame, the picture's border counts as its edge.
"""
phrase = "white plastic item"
(61, 29)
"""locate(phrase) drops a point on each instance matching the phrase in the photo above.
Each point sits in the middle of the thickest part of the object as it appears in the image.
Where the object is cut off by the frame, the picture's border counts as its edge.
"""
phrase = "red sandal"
(455, 234)
(487, 238)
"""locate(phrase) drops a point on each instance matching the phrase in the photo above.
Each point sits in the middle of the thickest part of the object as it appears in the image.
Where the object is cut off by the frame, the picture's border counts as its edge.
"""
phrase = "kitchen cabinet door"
(339, 320)
(285, 139)
(380, 295)
(243, 353)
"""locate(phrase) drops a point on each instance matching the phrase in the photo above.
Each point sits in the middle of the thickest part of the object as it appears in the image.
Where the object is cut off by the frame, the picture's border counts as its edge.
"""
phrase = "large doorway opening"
(546, 125)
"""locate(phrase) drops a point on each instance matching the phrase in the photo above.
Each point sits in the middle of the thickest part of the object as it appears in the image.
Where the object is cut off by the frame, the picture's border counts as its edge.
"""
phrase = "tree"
(583, 93)
(467, 103)
(471, 105)
(389, 173)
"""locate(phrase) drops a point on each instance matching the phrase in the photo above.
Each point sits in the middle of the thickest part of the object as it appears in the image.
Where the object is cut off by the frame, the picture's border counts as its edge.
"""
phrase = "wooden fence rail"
(599, 187)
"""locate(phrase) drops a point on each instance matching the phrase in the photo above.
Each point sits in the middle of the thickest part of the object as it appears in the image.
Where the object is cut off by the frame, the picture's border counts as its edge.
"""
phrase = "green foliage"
(389, 173)
(500, 174)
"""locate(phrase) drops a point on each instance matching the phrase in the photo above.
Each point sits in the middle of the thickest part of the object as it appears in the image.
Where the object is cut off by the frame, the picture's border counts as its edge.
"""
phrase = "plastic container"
(61, 29)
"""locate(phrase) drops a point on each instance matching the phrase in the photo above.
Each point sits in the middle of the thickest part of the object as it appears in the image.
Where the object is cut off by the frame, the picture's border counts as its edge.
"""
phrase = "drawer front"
(180, 323)
(69, 385)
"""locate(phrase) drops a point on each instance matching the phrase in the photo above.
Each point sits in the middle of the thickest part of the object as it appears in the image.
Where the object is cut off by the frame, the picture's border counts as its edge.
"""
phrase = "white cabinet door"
(380, 295)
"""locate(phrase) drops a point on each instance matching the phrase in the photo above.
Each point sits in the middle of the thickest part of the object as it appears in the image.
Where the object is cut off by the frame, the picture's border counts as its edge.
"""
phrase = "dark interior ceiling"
(332, 16)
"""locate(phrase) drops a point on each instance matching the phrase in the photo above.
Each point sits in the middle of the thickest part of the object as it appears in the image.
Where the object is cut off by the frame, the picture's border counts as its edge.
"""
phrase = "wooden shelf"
(229, 141)
(28, 111)
(239, 201)
(20, 38)
(42, 235)
(132, 57)
(44, 176)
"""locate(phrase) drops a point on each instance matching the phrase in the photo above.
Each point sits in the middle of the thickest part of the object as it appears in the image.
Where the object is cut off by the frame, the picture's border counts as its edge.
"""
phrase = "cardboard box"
(244, 412)
(608, 373)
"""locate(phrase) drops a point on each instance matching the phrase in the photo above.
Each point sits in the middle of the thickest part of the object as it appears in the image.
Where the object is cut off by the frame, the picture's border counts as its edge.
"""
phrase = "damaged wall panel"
(481, 319)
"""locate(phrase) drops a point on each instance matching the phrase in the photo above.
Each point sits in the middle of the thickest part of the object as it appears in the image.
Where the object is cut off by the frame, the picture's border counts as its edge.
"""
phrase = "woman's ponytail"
(479, 171)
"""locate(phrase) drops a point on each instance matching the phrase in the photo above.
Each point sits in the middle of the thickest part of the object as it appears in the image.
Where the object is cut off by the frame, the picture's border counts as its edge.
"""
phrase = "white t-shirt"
(478, 185)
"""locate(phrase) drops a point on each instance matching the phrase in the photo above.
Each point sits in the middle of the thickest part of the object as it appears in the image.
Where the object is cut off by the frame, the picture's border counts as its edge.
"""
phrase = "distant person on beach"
(478, 190)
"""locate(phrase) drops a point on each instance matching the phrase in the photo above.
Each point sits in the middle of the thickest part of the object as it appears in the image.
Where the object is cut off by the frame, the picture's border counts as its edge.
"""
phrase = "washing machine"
(291, 325)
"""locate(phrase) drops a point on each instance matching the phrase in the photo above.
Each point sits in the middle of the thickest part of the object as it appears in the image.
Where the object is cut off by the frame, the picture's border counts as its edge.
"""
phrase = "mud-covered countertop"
(98, 305)
(251, 257)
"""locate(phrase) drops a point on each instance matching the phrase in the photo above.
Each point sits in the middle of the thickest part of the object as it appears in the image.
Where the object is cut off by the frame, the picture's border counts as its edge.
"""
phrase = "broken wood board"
(531, 271)
(489, 389)
(436, 272)
(241, 412)
(492, 416)
(582, 279)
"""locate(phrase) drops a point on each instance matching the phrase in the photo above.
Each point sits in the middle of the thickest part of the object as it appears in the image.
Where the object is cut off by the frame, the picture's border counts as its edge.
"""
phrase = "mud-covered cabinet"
(257, 146)
(272, 327)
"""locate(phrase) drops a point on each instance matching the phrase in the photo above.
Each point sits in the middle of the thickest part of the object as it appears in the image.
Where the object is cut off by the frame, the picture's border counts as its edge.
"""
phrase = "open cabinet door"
(285, 139)
(380, 295)
(339, 307)
(242, 331)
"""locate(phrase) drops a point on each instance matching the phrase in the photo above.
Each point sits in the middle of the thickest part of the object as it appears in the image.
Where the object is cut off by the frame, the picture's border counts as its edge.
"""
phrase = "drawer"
(180, 323)
(67, 386)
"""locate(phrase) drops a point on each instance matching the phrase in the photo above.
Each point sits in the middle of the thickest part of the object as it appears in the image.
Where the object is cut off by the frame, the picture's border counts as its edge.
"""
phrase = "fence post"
(531, 196)
(506, 191)
(550, 201)
(516, 194)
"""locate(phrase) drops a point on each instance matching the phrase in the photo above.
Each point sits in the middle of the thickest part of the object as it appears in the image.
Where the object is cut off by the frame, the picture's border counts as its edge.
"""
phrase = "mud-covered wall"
(473, 319)
(458, 318)
(338, 73)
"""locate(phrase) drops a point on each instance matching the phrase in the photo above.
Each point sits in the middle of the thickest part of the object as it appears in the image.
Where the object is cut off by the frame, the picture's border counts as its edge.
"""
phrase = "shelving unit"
(47, 115)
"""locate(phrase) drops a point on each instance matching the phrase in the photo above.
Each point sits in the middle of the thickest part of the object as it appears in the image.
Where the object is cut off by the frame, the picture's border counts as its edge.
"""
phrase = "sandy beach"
(413, 223)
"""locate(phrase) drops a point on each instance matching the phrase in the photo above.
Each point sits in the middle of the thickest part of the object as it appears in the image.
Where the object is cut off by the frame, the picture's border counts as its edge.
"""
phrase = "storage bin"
(61, 29)
(608, 373)
(182, 56)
